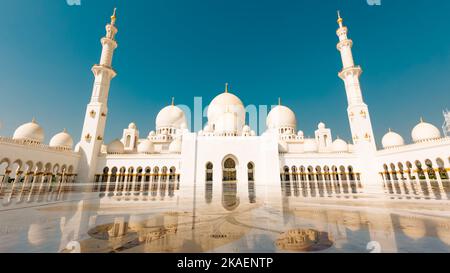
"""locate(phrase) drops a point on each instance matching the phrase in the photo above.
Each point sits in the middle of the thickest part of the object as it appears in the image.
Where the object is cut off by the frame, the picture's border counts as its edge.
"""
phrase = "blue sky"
(265, 49)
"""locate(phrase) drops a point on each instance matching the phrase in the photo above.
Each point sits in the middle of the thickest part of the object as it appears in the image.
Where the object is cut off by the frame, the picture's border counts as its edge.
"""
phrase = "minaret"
(358, 112)
(97, 109)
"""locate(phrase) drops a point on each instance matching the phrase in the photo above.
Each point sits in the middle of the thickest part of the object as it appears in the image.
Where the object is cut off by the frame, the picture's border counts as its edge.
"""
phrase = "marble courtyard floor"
(221, 218)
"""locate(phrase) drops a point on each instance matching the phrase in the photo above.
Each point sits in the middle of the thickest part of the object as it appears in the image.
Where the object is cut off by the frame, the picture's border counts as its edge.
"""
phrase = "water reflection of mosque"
(240, 223)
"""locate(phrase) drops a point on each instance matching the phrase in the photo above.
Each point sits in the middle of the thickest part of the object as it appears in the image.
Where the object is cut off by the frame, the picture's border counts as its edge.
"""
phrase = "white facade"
(226, 149)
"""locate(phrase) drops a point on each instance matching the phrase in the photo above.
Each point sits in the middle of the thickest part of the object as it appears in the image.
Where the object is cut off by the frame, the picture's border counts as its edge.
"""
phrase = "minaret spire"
(340, 20)
(113, 17)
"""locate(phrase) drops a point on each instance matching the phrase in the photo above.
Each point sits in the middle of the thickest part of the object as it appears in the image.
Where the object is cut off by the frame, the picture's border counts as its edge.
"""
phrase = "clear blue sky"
(187, 48)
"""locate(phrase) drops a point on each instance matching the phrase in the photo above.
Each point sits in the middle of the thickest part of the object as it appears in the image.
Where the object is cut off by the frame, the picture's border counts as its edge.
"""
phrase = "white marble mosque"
(227, 149)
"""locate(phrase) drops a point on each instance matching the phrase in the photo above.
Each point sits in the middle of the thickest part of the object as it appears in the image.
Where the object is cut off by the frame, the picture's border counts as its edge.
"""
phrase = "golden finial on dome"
(173, 101)
(33, 120)
(64, 130)
(390, 130)
(226, 87)
(422, 120)
(340, 20)
(279, 101)
(113, 17)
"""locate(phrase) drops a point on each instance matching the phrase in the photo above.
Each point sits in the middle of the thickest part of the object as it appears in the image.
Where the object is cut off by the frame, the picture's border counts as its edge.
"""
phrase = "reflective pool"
(221, 218)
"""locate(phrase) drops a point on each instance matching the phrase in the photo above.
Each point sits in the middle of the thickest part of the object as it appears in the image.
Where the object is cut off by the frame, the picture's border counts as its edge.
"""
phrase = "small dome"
(132, 126)
(115, 147)
(246, 129)
(252, 133)
(30, 131)
(310, 145)
(425, 131)
(392, 139)
(321, 125)
(281, 116)
(170, 116)
(300, 133)
(339, 146)
(146, 147)
(175, 146)
(227, 123)
(63, 140)
(152, 133)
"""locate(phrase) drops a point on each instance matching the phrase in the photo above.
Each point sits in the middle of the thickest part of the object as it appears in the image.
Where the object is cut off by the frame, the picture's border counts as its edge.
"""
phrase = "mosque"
(227, 149)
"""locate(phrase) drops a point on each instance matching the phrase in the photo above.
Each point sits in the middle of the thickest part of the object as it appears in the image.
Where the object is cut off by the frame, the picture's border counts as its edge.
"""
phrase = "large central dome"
(226, 103)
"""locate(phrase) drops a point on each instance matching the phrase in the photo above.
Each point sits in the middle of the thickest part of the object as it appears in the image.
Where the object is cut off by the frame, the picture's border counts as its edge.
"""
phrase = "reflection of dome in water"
(412, 227)
(36, 234)
(303, 240)
(443, 231)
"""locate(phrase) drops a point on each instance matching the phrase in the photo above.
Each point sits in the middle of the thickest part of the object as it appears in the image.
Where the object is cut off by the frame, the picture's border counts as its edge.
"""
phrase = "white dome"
(425, 131)
(300, 133)
(30, 131)
(152, 133)
(115, 147)
(339, 146)
(392, 139)
(62, 139)
(321, 125)
(281, 116)
(226, 102)
(227, 123)
(170, 116)
(132, 126)
(310, 145)
(146, 147)
(246, 129)
(175, 146)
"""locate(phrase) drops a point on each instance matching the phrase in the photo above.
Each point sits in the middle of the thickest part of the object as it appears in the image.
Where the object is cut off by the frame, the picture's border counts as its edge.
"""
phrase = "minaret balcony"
(353, 70)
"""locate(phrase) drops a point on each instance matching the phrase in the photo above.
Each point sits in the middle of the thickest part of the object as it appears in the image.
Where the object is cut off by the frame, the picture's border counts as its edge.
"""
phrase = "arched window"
(128, 141)
(441, 168)
(148, 171)
(251, 172)
(209, 172)
(105, 174)
(164, 174)
(294, 173)
(155, 174)
(229, 170)
(286, 174)
(172, 173)
(114, 174)
(409, 167)
(420, 171)
(430, 169)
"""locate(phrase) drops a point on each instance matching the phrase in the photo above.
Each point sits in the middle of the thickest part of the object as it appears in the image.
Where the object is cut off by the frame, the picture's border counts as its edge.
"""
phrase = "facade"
(227, 149)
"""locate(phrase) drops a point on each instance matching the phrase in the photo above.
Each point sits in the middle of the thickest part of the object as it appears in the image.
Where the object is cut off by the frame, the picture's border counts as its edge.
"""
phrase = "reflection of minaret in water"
(97, 109)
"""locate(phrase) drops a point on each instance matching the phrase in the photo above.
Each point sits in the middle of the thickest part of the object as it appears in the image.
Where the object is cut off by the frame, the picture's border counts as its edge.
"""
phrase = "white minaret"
(358, 112)
(97, 109)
